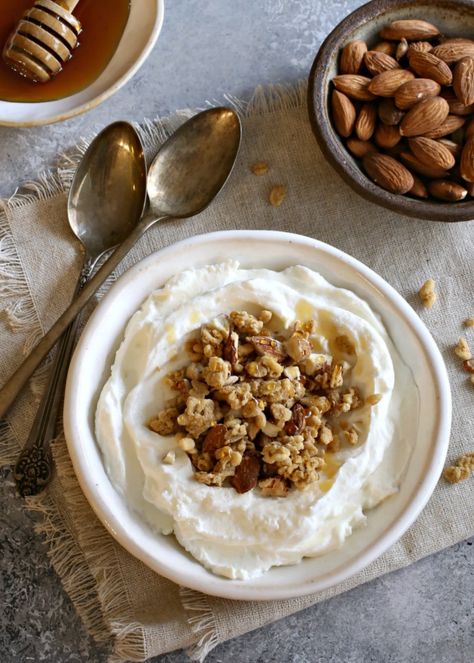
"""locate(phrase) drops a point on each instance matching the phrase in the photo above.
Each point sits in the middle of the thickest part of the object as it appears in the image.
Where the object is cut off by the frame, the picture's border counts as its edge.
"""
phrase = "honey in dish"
(103, 22)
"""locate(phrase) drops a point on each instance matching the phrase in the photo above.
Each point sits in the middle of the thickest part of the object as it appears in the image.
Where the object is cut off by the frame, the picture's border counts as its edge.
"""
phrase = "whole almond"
(387, 47)
(343, 113)
(451, 52)
(418, 189)
(359, 148)
(469, 130)
(447, 190)
(463, 81)
(425, 116)
(402, 49)
(412, 163)
(389, 113)
(366, 120)
(352, 57)
(451, 124)
(388, 82)
(453, 147)
(467, 161)
(430, 152)
(428, 65)
(355, 86)
(387, 136)
(378, 62)
(423, 46)
(388, 173)
(412, 92)
(456, 107)
(411, 29)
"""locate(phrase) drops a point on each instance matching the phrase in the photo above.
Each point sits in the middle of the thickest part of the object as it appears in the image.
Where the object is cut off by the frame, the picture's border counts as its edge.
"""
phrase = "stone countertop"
(419, 614)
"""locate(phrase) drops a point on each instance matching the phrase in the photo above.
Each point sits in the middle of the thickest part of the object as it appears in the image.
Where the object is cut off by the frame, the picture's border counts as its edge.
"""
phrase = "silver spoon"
(101, 213)
(188, 172)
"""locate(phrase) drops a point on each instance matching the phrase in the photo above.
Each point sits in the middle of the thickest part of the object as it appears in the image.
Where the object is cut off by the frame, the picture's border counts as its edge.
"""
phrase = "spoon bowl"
(194, 164)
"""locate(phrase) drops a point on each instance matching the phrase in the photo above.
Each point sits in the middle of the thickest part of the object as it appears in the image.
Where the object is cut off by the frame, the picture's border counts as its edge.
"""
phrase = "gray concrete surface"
(422, 614)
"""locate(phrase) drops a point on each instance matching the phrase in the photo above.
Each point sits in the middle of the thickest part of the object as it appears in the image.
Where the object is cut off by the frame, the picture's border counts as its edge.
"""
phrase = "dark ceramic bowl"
(454, 18)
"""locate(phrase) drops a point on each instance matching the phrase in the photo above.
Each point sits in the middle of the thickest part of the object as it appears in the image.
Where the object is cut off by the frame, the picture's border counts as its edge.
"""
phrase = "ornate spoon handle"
(34, 466)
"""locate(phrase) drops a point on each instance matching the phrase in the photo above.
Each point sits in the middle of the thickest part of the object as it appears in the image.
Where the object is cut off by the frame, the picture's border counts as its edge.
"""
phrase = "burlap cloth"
(119, 598)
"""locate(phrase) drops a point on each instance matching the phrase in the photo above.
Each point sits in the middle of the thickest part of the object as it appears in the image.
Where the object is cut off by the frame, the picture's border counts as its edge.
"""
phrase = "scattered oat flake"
(427, 293)
(277, 195)
(462, 349)
(259, 168)
(469, 322)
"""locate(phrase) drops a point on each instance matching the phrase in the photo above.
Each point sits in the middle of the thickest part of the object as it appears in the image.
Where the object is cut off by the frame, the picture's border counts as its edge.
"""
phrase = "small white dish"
(141, 32)
(386, 523)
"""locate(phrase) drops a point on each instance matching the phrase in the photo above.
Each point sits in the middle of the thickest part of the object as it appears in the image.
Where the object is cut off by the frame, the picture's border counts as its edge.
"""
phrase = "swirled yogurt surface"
(242, 536)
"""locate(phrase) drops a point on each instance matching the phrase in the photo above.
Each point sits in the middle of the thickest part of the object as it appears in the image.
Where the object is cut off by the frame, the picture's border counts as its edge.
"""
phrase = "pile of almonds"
(406, 109)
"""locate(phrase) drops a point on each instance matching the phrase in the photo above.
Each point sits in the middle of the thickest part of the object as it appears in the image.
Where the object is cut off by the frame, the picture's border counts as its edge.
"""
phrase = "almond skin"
(428, 65)
(463, 80)
(354, 86)
(352, 57)
(412, 92)
(388, 113)
(469, 130)
(366, 120)
(424, 117)
(412, 162)
(387, 47)
(453, 147)
(418, 189)
(451, 52)
(388, 173)
(455, 106)
(410, 29)
(467, 161)
(378, 62)
(343, 113)
(359, 148)
(447, 190)
(430, 152)
(387, 136)
(388, 82)
(423, 46)
(451, 124)
(402, 49)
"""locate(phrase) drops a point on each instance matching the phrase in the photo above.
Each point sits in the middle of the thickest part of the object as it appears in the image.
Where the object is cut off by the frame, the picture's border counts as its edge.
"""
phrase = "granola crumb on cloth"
(427, 293)
(236, 323)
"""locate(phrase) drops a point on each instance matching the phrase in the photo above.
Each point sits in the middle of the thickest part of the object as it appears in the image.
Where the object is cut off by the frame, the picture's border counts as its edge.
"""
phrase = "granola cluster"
(257, 407)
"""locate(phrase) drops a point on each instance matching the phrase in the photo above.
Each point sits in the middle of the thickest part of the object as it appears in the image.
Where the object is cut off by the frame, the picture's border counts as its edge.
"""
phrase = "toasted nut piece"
(387, 47)
(388, 82)
(246, 474)
(259, 168)
(377, 62)
(412, 92)
(447, 190)
(215, 438)
(389, 113)
(451, 52)
(418, 189)
(186, 443)
(468, 365)
(427, 293)
(265, 345)
(388, 173)
(469, 322)
(467, 161)
(373, 399)
(425, 116)
(359, 148)
(343, 113)
(451, 124)
(352, 56)
(402, 49)
(387, 136)
(427, 65)
(411, 29)
(413, 163)
(462, 350)
(355, 86)
(169, 458)
(277, 195)
(430, 152)
(365, 123)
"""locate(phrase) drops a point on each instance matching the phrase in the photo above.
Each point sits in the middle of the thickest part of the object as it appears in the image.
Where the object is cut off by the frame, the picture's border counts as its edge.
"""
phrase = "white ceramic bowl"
(386, 523)
(140, 34)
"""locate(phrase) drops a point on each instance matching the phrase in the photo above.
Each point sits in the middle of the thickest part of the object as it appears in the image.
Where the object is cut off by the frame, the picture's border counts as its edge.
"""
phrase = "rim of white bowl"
(103, 96)
(243, 590)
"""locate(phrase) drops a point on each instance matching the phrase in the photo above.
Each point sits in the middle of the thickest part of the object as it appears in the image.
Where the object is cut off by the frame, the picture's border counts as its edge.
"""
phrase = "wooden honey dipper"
(43, 40)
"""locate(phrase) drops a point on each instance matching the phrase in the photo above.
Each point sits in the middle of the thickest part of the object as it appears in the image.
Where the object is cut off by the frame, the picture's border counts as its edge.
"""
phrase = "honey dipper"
(43, 40)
